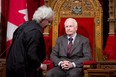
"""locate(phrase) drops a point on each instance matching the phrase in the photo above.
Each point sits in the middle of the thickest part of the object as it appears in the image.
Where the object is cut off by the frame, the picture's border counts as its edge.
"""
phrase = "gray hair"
(71, 19)
(41, 13)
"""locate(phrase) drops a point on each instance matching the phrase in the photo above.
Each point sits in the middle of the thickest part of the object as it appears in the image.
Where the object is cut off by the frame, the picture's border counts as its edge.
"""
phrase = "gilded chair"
(88, 14)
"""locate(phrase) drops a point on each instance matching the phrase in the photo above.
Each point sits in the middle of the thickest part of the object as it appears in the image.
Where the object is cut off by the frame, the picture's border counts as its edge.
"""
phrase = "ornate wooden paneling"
(112, 17)
(106, 65)
(102, 73)
(2, 67)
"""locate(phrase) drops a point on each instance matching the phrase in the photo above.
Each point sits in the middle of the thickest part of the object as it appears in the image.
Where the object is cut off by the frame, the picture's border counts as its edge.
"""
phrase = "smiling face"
(70, 26)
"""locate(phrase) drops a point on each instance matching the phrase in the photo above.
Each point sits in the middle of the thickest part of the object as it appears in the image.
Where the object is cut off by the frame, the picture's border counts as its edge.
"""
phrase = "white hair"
(71, 19)
(42, 12)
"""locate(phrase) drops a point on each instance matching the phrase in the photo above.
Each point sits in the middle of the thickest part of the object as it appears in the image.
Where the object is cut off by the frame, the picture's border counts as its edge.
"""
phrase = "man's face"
(46, 22)
(70, 28)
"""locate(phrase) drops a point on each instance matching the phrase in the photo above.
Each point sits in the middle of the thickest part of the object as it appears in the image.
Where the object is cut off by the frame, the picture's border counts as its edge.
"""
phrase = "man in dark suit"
(27, 51)
(70, 51)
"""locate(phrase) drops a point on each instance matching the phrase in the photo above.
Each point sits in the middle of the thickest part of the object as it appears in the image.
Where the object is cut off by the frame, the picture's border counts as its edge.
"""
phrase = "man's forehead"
(68, 22)
(51, 18)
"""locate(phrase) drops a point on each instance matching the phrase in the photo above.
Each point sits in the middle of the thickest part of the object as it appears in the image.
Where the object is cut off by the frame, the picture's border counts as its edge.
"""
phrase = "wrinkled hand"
(66, 65)
(44, 67)
(70, 65)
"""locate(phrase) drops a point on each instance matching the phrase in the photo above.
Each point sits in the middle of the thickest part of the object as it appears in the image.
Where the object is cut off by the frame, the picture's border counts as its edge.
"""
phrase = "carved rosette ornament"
(77, 10)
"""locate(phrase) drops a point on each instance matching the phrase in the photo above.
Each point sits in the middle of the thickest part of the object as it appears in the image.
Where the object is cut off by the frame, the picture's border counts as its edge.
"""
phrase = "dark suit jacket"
(80, 50)
(27, 51)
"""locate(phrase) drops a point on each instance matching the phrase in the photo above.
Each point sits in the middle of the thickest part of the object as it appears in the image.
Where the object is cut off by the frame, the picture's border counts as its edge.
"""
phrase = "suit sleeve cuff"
(74, 65)
(41, 65)
(59, 63)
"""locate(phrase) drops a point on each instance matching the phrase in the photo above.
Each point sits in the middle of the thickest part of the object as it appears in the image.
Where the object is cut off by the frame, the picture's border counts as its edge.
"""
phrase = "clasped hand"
(66, 65)
(44, 67)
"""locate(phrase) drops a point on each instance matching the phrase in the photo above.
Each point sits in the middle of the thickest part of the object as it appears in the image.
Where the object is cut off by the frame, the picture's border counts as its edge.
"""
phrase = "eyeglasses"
(49, 21)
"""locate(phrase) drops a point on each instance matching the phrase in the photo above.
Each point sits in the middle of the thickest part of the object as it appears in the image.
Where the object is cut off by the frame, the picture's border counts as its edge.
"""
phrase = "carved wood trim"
(112, 17)
(106, 64)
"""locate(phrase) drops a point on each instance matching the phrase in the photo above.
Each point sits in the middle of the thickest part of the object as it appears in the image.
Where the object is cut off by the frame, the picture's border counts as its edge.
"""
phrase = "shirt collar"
(74, 35)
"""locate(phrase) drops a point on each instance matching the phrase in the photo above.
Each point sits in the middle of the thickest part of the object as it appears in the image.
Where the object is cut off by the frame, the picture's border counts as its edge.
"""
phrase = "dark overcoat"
(27, 51)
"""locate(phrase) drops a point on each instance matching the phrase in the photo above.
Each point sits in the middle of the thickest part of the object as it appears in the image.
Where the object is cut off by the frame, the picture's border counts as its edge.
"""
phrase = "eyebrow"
(48, 20)
(69, 25)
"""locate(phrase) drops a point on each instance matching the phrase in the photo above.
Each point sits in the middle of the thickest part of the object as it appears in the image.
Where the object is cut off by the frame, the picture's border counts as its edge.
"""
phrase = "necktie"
(69, 46)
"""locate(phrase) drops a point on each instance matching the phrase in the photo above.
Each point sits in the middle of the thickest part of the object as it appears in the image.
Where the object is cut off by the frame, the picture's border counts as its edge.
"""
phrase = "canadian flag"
(16, 16)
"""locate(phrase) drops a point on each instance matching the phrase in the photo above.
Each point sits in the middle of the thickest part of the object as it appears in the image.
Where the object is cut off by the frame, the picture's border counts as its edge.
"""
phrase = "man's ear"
(76, 28)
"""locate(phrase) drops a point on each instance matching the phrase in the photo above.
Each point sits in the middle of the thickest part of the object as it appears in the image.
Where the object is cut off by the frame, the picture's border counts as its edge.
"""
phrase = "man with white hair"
(27, 51)
(70, 51)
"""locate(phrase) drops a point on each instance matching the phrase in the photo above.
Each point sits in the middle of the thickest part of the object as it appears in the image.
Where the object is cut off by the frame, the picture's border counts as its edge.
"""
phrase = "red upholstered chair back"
(85, 28)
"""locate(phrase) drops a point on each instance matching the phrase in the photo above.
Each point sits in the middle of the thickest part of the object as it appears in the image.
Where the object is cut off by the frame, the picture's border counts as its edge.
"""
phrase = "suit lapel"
(76, 43)
(65, 42)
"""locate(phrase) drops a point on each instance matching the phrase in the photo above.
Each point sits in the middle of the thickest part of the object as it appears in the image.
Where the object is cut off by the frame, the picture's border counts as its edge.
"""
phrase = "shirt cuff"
(74, 65)
(59, 63)
(41, 65)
